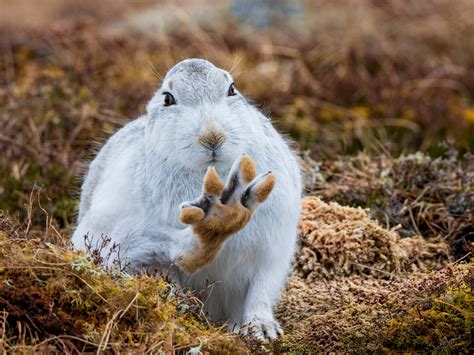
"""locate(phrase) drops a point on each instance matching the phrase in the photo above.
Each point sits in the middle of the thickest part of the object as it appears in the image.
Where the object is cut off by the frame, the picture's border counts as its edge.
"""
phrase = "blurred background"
(343, 78)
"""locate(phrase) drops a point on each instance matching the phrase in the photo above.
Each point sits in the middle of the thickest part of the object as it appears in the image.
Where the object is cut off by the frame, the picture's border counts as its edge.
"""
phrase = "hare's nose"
(212, 139)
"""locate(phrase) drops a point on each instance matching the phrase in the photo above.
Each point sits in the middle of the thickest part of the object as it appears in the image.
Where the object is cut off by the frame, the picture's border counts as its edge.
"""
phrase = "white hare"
(198, 126)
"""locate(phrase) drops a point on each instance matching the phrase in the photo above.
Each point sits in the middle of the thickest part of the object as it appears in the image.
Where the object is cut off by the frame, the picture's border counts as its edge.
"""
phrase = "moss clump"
(359, 314)
(359, 287)
(52, 297)
(440, 323)
(341, 241)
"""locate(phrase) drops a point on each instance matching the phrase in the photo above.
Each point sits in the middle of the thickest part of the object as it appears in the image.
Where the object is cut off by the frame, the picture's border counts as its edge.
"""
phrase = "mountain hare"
(197, 128)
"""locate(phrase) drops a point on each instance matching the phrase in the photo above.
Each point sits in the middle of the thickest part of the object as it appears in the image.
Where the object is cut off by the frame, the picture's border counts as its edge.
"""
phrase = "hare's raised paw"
(224, 209)
(243, 190)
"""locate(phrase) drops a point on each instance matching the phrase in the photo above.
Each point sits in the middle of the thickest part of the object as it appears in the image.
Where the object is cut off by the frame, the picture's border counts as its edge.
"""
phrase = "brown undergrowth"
(343, 241)
(415, 193)
(358, 287)
(53, 299)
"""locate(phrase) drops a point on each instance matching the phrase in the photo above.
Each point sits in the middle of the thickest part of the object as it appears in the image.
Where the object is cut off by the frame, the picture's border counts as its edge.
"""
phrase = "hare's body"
(135, 186)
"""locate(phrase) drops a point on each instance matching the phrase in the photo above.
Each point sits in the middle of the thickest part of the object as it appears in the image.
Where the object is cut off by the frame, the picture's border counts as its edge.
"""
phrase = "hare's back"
(114, 164)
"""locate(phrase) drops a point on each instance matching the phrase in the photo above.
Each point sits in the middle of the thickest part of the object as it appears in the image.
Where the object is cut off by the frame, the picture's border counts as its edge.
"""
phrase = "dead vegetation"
(365, 314)
(343, 241)
(54, 299)
(370, 88)
(414, 193)
(358, 287)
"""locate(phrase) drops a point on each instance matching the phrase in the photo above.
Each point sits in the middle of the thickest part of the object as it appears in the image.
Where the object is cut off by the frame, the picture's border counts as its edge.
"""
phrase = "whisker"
(236, 63)
(155, 71)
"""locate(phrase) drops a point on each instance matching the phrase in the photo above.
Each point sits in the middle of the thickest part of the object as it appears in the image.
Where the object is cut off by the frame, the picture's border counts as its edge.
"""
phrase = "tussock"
(341, 241)
(360, 313)
(358, 286)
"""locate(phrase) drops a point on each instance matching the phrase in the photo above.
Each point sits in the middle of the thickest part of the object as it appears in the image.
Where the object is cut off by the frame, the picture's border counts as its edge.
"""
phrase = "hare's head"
(198, 118)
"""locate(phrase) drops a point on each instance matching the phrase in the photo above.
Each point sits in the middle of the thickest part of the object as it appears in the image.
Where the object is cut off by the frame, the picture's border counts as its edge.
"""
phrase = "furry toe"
(213, 183)
(262, 329)
(258, 190)
(191, 214)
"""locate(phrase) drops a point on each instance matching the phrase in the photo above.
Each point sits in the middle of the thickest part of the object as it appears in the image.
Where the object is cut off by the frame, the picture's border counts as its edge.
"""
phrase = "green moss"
(439, 324)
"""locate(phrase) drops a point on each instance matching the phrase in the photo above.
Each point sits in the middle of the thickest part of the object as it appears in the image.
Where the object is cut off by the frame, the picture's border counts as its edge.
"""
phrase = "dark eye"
(168, 99)
(231, 91)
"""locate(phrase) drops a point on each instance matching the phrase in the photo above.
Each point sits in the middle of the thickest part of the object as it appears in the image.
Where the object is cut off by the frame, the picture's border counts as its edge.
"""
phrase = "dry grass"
(54, 299)
(358, 314)
(414, 193)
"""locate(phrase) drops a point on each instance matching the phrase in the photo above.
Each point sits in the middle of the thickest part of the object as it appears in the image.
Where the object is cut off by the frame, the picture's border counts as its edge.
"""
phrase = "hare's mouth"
(215, 159)
(214, 156)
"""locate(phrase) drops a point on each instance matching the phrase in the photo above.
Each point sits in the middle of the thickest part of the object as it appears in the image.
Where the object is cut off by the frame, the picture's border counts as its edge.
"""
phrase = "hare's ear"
(258, 190)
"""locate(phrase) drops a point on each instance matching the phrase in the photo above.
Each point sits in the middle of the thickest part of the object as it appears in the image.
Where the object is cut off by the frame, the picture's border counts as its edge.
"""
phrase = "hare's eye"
(231, 91)
(168, 99)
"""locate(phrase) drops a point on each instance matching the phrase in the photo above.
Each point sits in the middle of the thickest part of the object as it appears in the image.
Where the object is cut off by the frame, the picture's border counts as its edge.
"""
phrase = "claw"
(262, 330)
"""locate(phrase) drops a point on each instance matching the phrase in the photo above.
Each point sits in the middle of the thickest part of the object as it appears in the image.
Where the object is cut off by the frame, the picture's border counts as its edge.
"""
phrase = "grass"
(54, 299)
(382, 118)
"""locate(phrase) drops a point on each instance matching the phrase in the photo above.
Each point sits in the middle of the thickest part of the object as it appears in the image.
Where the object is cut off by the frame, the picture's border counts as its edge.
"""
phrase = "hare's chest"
(166, 194)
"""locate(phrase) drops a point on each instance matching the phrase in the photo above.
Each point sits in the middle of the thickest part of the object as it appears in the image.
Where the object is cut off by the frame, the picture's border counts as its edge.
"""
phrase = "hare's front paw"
(223, 209)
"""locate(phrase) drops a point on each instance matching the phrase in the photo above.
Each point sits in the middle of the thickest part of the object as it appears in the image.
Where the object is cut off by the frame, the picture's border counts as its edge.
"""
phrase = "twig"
(108, 329)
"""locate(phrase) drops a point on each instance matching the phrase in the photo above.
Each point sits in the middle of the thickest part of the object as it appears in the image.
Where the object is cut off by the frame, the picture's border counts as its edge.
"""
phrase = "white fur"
(135, 185)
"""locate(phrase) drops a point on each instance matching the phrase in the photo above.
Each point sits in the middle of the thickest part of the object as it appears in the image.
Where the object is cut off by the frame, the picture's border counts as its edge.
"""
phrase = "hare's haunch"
(240, 232)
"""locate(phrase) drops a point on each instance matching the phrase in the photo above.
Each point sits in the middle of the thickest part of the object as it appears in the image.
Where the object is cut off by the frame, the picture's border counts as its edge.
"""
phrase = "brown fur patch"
(224, 221)
(170, 84)
(212, 232)
(212, 139)
(213, 183)
(191, 215)
(199, 258)
(262, 191)
(247, 168)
